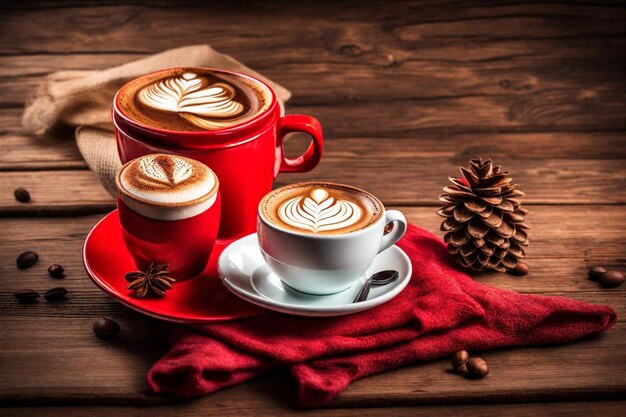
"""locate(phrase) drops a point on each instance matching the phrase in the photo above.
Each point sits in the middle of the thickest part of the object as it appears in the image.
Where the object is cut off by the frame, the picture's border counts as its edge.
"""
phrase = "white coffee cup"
(323, 264)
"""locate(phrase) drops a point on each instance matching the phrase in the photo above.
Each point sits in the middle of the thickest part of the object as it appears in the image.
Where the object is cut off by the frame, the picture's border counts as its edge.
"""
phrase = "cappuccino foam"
(320, 208)
(167, 187)
(193, 99)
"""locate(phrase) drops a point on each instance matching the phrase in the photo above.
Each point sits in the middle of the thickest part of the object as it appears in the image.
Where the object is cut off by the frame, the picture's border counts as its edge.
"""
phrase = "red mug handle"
(309, 159)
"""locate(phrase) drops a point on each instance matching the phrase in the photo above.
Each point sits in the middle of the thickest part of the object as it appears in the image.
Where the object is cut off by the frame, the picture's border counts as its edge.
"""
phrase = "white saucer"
(244, 272)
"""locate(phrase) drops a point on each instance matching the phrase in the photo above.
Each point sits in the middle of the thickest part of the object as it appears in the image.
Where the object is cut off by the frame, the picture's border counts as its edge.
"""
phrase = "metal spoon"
(379, 278)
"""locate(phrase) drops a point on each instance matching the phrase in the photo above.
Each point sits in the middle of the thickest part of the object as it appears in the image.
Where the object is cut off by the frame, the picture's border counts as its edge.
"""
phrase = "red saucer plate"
(201, 300)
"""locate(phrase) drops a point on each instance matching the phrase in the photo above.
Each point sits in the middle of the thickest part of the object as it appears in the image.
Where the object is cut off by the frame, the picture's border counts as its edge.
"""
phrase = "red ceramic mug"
(185, 245)
(179, 232)
(246, 157)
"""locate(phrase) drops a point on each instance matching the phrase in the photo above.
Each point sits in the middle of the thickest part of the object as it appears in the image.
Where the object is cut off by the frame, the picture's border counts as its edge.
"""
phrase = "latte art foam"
(320, 208)
(166, 187)
(197, 101)
(193, 99)
(161, 172)
(319, 212)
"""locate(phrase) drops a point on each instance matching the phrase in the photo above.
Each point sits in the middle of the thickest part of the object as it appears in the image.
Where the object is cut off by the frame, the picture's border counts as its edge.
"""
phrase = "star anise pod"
(155, 278)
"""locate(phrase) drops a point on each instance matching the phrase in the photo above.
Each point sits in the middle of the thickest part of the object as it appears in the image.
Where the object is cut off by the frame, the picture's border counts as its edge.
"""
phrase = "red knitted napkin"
(442, 310)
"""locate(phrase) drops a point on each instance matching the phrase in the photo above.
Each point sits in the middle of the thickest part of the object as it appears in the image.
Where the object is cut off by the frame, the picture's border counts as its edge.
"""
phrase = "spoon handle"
(365, 290)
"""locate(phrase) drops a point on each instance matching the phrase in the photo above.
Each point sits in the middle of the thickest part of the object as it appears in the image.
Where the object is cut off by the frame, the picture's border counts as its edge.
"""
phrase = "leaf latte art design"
(319, 212)
(163, 172)
(193, 99)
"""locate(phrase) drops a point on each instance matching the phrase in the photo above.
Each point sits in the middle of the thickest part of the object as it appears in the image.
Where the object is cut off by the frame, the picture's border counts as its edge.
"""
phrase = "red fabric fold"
(441, 310)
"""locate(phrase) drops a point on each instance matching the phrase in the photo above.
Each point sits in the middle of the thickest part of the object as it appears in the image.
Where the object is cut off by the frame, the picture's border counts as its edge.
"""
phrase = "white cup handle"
(398, 229)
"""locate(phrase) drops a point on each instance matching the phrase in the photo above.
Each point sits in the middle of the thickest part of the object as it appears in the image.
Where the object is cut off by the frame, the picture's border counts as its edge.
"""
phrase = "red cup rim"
(172, 144)
(218, 132)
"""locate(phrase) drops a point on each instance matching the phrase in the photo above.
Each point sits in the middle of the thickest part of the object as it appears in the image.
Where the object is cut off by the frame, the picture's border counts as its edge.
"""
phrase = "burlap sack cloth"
(83, 99)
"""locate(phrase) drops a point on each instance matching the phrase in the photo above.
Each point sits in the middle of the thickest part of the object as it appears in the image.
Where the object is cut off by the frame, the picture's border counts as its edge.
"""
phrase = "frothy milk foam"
(167, 187)
(193, 99)
(320, 208)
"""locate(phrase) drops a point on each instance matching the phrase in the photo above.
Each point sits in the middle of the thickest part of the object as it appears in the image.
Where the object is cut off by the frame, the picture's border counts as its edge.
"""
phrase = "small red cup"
(184, 243)
(246, 157)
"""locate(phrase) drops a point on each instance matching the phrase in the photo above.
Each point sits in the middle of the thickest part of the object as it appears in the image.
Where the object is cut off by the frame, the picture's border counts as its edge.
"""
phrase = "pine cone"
(485, 220)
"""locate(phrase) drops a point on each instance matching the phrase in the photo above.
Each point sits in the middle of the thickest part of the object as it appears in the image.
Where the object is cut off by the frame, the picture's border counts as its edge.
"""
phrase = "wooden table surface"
(406, 92)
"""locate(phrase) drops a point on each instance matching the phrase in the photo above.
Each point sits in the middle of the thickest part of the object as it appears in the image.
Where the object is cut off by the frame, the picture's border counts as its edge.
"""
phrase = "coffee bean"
(26, 296)
(520, 269)
(612, 278)
(459, 361)
(106, 328)
(595, 272)
(56, 271)
(22, 195)
(27, 259)
(477, 367)
(55, 294)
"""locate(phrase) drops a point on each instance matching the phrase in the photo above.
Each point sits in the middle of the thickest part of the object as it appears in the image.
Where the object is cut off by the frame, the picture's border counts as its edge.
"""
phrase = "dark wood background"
(406, 92)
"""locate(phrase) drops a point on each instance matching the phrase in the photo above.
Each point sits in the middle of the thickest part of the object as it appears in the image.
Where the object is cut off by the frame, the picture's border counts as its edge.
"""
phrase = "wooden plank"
(588, 105)
(559, 177)
(560, 253)
(510, 82)
(62, 356)
(58, 360)
(209, 407)
(50, 356)
(418, 77)
(10, 121)
(57, 151)
(408, 181)
(517, 375)
(54, 192)
(125, 29)
(25, 152)
(30, 69)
